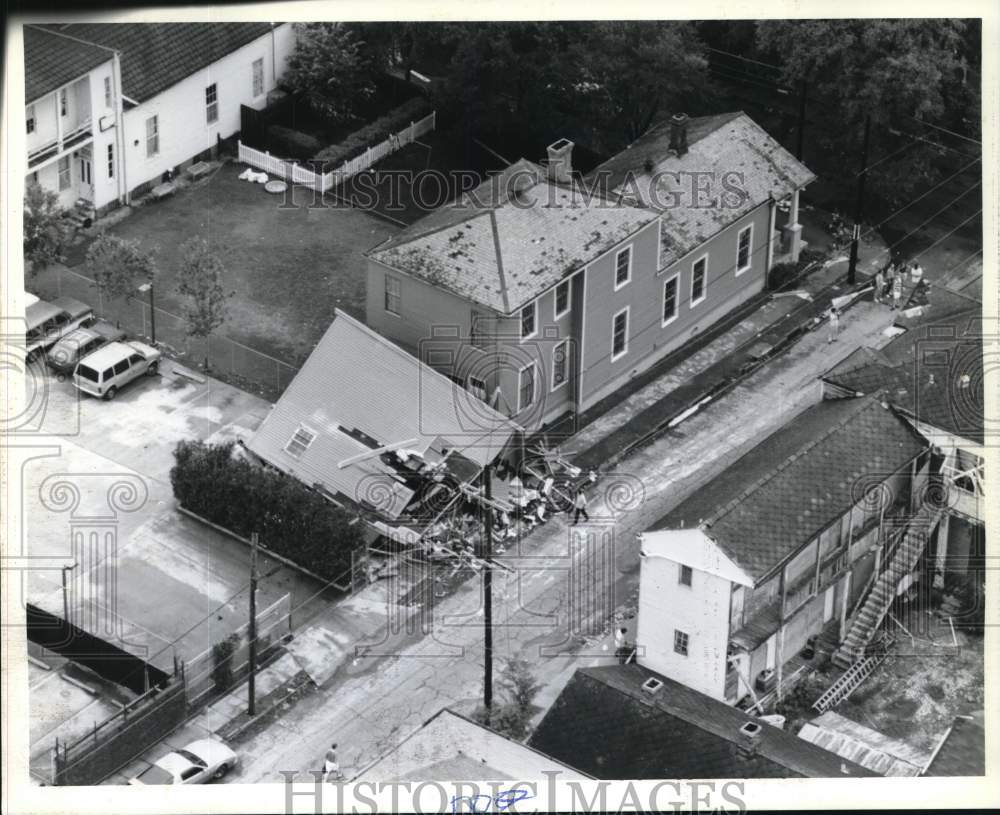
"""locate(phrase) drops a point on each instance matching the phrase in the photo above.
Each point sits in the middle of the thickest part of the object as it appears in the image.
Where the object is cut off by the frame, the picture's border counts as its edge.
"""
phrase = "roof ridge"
(55, 33)
(864, 403)
(499, 253)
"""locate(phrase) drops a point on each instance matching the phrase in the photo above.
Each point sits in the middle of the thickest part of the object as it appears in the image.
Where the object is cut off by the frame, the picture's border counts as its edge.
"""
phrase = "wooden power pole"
(252, 633)
(859, 207)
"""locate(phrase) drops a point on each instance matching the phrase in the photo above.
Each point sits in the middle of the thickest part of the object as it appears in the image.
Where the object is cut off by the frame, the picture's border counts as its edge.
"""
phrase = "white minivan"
(106, 370)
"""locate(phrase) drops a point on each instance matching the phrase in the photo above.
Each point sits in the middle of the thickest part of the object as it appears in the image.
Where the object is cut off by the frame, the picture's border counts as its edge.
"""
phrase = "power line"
(743, 59)
(946, 130)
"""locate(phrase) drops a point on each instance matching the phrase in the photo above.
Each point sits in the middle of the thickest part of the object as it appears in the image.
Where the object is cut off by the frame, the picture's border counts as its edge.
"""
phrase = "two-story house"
(112, 106)
(545, 293)
(810, 534)
(933, 376)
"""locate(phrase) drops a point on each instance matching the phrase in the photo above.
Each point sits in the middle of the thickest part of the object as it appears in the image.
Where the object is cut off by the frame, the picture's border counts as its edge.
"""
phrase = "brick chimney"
(561, 161)
(750, 735)
(679, 133)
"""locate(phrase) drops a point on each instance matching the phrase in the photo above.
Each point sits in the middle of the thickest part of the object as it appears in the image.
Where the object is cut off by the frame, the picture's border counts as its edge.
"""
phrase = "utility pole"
(802, 121)
(487, 555)
(251, 690)
(860, 205)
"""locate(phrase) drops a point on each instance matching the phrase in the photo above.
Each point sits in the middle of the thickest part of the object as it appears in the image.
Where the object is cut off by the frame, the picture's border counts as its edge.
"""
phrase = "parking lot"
(98, 473)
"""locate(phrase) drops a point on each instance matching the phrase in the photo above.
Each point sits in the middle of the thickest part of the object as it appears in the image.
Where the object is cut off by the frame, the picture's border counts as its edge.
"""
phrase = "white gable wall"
(700, 610)
(183, 127)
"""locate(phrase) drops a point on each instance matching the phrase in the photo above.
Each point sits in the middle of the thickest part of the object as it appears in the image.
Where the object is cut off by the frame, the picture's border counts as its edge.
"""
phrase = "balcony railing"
(70, 139)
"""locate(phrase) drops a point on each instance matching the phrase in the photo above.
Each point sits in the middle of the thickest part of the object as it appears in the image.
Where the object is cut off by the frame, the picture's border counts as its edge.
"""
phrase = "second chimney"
(750, 735)
(679, 133)
(561, 161)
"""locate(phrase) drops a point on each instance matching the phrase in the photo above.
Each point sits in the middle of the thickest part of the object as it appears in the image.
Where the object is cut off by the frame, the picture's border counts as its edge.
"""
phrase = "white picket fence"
(297, 174)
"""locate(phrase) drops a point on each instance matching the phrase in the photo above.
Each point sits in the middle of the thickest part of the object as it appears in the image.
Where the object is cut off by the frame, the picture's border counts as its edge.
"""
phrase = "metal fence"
(297, 174)
(227, 359)
(273, 623)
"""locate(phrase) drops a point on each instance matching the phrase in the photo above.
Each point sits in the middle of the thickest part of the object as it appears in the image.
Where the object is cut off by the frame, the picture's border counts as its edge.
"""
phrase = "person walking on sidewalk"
(897, 291)
(879, 285)
(580, 507)
(834, 325)
(331, 768)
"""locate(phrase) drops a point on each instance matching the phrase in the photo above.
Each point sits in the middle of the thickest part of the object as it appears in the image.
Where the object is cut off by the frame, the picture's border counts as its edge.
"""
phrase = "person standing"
(330, 765)
(580, 507)
(879, 285)
(834, 325)
(897, 291)
(621, 645)
(916, 272)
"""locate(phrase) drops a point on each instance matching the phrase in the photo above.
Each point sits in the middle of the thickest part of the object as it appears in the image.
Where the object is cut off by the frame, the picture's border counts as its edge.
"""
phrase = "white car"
(116, 364)
(198, 763)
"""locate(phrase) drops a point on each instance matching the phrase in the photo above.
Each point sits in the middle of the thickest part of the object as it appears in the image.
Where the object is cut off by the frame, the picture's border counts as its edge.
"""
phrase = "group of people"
(889, 282)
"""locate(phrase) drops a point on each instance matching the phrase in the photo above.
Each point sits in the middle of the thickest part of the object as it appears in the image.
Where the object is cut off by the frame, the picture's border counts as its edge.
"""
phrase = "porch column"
(791, 233)
(59, 131)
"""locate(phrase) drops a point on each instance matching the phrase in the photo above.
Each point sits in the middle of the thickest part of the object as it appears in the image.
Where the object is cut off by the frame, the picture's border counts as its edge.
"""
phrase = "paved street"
(371, 704)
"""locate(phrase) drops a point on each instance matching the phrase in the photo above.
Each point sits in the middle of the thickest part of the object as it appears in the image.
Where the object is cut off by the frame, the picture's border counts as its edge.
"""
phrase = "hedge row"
(373, 133)
(292, 520)
(289, 143)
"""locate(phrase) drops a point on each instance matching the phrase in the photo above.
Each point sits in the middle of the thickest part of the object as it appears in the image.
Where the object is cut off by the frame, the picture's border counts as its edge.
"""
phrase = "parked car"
(48, 322)
(109, 368)
(76, 345)
(198, 763)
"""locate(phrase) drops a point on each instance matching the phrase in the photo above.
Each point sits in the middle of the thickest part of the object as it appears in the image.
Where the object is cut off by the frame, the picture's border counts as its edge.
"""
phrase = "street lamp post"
(152, 311)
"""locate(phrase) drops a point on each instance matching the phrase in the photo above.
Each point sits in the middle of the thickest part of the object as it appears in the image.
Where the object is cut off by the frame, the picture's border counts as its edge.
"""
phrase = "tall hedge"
(292, 520)
(373, 134)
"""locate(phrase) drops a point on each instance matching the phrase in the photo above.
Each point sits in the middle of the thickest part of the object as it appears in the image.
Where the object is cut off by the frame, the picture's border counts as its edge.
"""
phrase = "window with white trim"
(699, 271)
(111, 161)
(681, 641)
(623, 267)
(64, 173)
(743, 249)
(528, 325)
(30, 113)
(300, 441)
(619, 334)
(63, 102)
(685, 575)
(258, 76)
(669, 300)
(212, 103)
(526, 386)
(152, 136)
(560, 362)
(107, 91)
(393, 295)
(562, 303)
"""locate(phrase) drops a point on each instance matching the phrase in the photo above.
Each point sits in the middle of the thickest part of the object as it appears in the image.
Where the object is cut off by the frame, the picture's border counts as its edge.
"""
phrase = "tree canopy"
(46, 231)
(331, 68)
(119, 266)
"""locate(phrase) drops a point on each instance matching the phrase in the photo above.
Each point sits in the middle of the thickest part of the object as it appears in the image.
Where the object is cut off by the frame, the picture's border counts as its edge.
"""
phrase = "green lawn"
(290, 267)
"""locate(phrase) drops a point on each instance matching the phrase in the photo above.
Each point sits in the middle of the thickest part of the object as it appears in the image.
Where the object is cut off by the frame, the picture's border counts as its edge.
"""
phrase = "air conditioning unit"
(767, 680)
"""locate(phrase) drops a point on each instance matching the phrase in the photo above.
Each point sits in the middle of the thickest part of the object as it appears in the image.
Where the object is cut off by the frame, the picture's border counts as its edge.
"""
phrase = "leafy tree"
(330, 68)
(119, 266)
(895, 71)
(200, 280)
(512, 716)
(46, 231)
(625, 74)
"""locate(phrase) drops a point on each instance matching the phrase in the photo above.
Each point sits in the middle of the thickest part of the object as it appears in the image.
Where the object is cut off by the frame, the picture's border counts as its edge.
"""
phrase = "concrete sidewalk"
(774, 324)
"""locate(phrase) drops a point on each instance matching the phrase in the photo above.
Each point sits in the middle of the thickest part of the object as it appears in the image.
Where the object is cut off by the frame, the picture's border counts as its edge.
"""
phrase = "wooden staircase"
(897, 564)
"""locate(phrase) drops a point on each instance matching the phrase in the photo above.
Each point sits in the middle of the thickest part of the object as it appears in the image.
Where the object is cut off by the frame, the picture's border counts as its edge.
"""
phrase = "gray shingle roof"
(52, 60)
(948, 349)
(155, 56)
(502, 250)
(777, 497)
(717, 145)
(605, 724)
